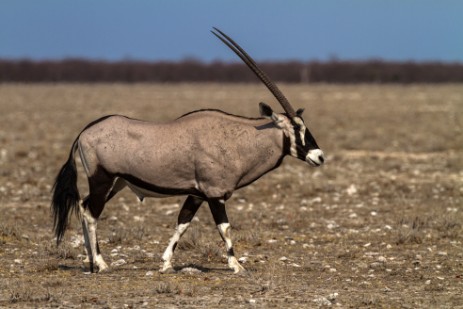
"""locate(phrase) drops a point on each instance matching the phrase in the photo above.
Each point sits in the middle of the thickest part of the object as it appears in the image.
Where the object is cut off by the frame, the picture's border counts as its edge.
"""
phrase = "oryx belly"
(141, 193)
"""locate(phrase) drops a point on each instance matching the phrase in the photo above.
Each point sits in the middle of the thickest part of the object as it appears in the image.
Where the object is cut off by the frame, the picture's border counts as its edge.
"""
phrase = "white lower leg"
(224, 230)
(86, 238)
(91, 224)
(88, 250)
(169, 252)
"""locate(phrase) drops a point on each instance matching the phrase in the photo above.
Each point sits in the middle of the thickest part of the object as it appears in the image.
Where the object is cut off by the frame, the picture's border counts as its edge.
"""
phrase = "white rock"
(351, 190)
(191, 270)
(382, 259)
(118, 263)
(149, 273)
(332, 297)
(243, 259)
(283, 259)
(322, 301)
(252, 301)
(428, 282)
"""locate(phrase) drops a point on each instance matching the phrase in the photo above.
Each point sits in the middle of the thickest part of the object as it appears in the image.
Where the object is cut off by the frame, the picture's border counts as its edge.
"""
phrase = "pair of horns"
(259, 73)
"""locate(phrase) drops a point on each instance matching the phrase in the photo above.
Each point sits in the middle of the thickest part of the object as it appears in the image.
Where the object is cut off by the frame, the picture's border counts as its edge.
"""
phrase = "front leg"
(188, 211)
(219, 213)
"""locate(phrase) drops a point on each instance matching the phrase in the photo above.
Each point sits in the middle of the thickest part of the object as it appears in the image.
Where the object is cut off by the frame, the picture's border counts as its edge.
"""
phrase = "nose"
(315, 157)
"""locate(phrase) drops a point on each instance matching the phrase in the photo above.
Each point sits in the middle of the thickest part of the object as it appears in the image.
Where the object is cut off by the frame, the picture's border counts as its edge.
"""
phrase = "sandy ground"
(380, 225)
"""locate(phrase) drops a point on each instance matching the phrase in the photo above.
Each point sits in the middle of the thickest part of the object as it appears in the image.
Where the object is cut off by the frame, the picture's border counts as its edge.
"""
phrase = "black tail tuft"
(65, 196)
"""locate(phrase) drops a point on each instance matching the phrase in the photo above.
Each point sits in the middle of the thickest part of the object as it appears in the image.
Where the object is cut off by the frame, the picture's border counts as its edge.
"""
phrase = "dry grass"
(380, 224)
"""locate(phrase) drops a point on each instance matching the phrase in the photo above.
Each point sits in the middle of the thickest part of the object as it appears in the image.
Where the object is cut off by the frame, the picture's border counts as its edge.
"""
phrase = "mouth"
(312, 163)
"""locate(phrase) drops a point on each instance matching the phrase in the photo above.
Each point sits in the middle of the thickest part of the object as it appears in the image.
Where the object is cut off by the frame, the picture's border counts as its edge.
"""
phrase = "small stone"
(428, 282)
(149, 273)
(442, 253)
(243, 259)
(283, 259)
(191, 270)
(118, 263)
(382, 259)
(332, 297)
(252, 301)
(351, 190)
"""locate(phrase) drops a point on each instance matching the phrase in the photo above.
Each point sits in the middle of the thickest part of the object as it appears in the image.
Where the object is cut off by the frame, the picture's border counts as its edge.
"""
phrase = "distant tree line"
(372, 71)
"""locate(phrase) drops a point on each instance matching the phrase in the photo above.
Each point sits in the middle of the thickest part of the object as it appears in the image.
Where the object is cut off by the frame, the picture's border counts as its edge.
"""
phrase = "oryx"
(205, 154)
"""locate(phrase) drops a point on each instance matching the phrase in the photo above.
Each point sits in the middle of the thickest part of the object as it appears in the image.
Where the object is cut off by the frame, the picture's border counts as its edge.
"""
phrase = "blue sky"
(418, 30)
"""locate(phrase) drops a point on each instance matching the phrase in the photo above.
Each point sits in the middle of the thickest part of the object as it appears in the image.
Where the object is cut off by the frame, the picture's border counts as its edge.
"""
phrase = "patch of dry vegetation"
(380, 225)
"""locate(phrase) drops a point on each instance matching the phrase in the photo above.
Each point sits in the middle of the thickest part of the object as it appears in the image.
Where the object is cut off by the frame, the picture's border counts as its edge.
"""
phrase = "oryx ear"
(267, 112)
(299, 112)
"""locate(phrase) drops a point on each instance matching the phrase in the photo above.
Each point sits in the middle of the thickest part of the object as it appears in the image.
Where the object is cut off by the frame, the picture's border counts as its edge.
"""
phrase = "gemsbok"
(204, 154)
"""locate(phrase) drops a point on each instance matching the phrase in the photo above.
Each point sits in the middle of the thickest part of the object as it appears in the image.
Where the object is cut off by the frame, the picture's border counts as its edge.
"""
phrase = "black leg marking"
(218, 211)
(221, 220)
(188, 211)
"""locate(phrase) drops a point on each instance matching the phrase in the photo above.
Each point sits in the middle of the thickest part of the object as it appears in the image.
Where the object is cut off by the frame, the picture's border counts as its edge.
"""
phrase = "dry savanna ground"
(380, 225)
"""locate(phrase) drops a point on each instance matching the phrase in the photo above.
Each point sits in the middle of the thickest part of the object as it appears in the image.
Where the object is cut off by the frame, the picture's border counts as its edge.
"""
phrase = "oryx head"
(302, 144)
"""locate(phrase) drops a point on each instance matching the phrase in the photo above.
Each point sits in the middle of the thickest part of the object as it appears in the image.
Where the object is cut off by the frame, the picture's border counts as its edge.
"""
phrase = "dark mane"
(219, 111)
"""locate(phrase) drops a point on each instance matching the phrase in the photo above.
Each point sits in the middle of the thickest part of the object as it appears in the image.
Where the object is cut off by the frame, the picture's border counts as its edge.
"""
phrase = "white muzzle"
(315, 157)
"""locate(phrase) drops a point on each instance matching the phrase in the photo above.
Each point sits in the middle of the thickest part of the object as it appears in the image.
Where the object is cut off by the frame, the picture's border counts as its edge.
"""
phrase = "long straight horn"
(259, 73)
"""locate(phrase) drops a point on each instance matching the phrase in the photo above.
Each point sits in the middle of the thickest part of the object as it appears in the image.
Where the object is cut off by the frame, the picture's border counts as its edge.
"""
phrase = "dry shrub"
(8, 232)
(166, 288)
(193, 238)
(410, 232)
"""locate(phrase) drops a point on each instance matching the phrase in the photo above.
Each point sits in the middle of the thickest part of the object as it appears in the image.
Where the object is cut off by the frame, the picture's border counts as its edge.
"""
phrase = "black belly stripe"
(157, 189)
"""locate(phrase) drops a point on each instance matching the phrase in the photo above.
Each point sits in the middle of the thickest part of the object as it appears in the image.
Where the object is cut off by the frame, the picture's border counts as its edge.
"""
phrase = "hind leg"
(88, 250)
(188, 211)
(100, 186)
(118, 185)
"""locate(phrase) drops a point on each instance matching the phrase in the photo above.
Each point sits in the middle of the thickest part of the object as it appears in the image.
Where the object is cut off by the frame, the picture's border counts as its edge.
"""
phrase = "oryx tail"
(65, 195)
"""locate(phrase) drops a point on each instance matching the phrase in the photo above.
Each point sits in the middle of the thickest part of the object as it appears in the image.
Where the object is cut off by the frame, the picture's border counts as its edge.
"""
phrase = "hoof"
(236, 266)
(167, 270)
(103, 269)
